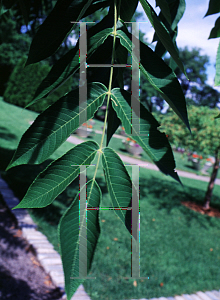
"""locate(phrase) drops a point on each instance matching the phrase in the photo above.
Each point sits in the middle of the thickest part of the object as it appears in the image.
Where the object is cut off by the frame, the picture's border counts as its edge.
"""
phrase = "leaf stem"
(109, 88)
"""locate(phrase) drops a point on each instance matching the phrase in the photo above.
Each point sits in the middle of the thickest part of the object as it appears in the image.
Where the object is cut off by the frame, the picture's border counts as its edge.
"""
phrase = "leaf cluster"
(109, 42)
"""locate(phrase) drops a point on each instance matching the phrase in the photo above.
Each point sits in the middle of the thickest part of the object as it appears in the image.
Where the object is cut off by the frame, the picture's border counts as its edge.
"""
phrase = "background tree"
(23, 83)
(196, 67)
(196, 90)
(206, 95)
(205, 137)
(12, 47)
(32, 13)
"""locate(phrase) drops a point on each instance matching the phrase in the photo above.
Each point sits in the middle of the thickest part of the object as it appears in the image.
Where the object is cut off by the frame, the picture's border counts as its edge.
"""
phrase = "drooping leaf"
(153, 142)
(217, 74)
(118, 182)
(160, 76)
(55, 124)
(177, 9)
(121, 54)
(127, 9)
(113, 123)
(113, 120)
(58, 175)
(162, 33)
(160, 50)
(67, 65)
(58, 24)
(165, 10)
(215, 32)
(69, 237)
(214, 7)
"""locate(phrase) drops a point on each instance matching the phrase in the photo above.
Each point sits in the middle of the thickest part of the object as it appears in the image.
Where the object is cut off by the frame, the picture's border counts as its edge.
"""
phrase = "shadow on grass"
(123, 150)
(6, 134)
(169, 196)
(5, 157)
(190, 167)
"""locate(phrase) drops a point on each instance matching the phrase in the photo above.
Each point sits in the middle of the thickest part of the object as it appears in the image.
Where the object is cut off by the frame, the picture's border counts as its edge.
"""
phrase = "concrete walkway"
(49, 259)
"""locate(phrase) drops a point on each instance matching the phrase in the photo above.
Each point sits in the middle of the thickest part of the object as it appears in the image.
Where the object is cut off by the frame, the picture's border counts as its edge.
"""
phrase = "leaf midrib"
(137, 134)
(60, 128)
(66, 179)
(77, 243)
(105, 159)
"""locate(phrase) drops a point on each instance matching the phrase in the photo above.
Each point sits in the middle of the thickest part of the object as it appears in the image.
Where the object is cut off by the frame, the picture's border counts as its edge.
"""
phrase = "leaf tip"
(17, 206)
(176, 177)
(27, 63)
(9, 166)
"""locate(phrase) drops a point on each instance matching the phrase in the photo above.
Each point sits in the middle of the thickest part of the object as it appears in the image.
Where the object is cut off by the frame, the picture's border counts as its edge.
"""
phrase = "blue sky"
(193, 31)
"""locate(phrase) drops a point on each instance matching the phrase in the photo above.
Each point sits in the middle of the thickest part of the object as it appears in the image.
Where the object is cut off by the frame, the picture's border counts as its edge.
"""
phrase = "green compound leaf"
(118, 183)
(177, 9)
(127, 9)
(68, 65)
(55, 124)
(153, 142)
(69, 233)
(58, 175)
(160, 76)
(113, 123)
(57, 26)
(217, 74)
(162, 33)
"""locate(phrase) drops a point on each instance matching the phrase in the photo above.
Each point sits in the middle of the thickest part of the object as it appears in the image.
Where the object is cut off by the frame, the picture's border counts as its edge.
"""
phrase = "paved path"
(49, 259)
(147, 165)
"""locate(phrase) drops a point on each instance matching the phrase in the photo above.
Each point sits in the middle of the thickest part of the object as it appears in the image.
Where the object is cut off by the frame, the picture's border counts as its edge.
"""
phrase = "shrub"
(23, 83)
(12, 47)
(204, 127)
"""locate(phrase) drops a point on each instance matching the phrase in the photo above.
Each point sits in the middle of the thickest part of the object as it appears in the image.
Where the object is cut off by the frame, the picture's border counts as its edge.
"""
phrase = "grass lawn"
(179, 248)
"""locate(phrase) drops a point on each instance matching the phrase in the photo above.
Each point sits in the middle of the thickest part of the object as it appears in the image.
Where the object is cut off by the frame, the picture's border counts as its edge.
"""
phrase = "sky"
(193, 31)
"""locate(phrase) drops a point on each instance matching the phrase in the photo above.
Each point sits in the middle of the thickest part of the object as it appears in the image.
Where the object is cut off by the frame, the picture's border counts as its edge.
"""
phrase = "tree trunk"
(208, 195)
